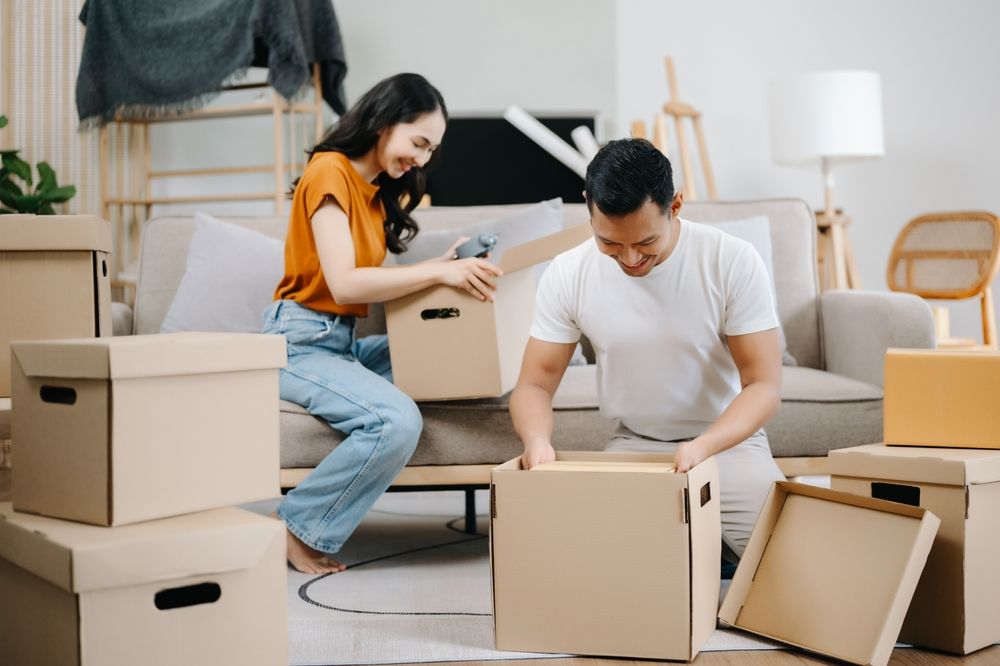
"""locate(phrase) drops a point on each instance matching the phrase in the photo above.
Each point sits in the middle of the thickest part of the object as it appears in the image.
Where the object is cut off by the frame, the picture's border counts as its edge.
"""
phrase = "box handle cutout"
(189, 595)
(706, 493)
(439, 313)
(60, 395)
(104, 267)
(895, 492)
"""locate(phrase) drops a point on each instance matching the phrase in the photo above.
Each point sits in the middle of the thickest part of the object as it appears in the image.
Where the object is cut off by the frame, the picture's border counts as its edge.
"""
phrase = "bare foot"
(309, 560)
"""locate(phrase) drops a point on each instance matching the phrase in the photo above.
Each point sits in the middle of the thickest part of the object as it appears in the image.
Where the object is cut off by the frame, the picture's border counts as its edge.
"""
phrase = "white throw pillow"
(229, 280)
(528, 224)
(757, 232)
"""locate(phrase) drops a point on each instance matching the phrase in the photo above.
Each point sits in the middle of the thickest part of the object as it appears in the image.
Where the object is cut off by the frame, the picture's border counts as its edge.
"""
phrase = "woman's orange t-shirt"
(330, 174)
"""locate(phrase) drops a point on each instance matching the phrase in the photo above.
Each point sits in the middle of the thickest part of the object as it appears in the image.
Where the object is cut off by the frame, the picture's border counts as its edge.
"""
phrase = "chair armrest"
(859, 326)
(121, 319)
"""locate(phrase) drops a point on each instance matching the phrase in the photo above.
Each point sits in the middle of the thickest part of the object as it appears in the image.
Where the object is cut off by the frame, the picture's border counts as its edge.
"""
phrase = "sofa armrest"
(859, 326)
(121, 319)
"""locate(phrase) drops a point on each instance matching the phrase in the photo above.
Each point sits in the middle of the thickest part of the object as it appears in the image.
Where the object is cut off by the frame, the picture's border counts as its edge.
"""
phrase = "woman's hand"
(476, 276)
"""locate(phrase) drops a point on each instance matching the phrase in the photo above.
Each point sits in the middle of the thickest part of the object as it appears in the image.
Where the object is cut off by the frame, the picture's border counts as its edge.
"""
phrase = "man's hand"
(536, 455)
(688, 455)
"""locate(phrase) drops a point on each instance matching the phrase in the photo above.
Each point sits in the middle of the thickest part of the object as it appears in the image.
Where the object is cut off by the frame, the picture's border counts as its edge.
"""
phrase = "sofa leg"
(470, 510)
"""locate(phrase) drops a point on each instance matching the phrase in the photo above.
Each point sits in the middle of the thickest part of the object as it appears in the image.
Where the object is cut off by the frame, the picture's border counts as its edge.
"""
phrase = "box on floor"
(609, 554)
(942, 398)
(447, 344)
(955, 607)
(54, 280)
(830, 572)
(112, 431)
(206, 588)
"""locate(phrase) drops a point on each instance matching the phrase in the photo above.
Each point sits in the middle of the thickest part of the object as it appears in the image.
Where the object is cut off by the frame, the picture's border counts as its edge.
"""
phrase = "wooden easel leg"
(638, 129)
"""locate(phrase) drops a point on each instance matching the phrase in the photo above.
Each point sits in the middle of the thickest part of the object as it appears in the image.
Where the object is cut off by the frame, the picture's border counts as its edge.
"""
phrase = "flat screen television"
(486, 160)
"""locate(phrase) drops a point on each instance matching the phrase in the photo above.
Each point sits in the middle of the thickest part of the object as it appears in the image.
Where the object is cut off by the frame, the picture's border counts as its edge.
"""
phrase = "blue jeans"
(348, 383)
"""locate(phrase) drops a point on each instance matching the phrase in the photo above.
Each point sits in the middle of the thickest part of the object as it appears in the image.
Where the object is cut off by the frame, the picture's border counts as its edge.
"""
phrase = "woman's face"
(408, 145)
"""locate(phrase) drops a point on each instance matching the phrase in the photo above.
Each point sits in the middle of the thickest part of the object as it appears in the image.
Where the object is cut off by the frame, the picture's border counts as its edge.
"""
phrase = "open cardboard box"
(206, 588)
(112, 431)
(447, 344)
(55, 280)
(604, 553)
(955, 607)
(942, 398)
(830, 572)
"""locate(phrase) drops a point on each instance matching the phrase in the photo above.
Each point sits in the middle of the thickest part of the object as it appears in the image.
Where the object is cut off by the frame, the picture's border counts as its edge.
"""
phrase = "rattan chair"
(950, 256)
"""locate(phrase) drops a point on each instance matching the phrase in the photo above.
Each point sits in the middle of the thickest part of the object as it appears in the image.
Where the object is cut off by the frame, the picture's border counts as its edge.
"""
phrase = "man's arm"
(531, 402)
(758, 359)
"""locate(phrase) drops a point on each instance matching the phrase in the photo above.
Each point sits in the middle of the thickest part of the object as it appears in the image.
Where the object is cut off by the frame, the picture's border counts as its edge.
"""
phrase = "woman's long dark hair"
(398, 99)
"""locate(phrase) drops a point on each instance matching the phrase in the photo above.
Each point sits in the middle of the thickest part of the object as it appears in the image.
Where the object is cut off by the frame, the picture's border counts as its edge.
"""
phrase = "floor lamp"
(828, 118)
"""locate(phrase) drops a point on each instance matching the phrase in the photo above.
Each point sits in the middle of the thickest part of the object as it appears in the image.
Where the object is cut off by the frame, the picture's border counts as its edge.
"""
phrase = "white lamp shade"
(833, 115)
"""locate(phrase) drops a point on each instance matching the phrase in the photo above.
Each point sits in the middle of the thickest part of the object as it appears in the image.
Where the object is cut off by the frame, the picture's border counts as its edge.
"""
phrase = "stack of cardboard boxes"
(942, 432)
(122, 545)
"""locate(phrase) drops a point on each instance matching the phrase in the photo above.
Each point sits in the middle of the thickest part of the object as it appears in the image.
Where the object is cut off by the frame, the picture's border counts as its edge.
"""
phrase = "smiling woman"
(350, 208)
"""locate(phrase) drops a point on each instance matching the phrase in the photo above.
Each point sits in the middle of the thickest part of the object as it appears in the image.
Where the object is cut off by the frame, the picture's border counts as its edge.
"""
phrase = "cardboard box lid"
(157, 355)
(543, 249)
(957, 467)
(830, 572)
(54, 232)
(80, 558)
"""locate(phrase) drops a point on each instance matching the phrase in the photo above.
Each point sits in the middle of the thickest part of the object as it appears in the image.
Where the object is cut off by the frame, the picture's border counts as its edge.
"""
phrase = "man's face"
(639, 240)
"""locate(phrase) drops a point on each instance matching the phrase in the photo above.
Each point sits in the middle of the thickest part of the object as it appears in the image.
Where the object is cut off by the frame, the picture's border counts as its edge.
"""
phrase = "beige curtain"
(39, 58)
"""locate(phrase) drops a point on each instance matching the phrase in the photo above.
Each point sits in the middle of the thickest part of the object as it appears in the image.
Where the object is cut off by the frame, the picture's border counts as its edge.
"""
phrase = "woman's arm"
(350, 284)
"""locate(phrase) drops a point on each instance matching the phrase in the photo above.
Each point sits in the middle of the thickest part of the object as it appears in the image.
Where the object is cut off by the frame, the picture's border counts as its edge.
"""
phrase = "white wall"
(940, 69)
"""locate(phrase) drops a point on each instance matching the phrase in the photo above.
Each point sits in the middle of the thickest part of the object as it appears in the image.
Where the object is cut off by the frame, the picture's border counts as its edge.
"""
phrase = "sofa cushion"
(819, 411)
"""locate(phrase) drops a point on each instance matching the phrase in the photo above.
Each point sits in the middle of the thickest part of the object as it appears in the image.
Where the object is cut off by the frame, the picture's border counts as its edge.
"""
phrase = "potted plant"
(31, 196)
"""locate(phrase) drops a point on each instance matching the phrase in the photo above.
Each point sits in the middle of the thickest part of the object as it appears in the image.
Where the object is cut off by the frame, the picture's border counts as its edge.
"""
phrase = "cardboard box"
(942, 398)
(830, 572)
(55, 280)
(446, 344)
(610, 554)
(112, 431)
(955, 607)
(205, 588)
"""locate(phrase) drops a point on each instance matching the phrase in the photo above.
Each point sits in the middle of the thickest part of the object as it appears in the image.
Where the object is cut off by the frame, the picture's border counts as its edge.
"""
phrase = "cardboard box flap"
(54, 232)
(958, 467)
(79, 557)
(543, 249)
(157, 355)
(830, 572)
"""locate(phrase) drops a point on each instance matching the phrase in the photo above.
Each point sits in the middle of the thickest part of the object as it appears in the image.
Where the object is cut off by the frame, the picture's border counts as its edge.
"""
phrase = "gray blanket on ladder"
(150, 58)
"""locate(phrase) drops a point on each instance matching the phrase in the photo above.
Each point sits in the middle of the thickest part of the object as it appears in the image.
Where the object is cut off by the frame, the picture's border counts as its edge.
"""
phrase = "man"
(683, 322)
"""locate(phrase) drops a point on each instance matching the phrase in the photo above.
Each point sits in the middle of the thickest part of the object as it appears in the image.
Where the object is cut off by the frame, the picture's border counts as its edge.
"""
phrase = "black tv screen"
(486, 160)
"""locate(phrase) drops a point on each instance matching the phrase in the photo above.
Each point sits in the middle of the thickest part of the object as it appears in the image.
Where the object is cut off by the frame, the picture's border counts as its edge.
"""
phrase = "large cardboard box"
(446, 344)
(205, 588)
(830, 572)
(942, 398)
(113, 431)
(957, 603)
(54, 280)
(609, 554)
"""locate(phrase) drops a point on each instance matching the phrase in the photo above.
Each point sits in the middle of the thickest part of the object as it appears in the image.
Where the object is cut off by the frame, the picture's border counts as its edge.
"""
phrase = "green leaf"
(6, 211)
(46, 209)
(46, 177)
(27, 203)
(18, 167)
(58, 194)
(3, 122)
(8, 191)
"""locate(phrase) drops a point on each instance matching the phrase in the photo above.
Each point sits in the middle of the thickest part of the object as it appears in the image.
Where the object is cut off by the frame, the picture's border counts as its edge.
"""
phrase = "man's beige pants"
(746, 473)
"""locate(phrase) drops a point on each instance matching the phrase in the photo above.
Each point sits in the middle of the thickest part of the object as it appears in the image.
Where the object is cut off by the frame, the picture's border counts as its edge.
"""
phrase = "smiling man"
(683, 323)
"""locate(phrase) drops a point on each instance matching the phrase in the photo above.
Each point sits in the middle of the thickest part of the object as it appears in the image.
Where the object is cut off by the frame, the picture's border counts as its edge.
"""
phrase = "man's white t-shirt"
(663, 366)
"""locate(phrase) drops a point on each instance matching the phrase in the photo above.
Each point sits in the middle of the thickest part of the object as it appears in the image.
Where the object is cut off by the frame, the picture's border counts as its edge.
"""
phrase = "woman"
(350, 207)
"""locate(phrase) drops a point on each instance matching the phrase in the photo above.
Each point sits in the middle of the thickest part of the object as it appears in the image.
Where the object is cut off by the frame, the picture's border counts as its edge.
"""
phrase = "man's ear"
(676, 203)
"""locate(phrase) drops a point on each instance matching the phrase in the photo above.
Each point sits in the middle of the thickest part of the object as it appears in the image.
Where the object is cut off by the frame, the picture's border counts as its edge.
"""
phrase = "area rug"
(417, 590)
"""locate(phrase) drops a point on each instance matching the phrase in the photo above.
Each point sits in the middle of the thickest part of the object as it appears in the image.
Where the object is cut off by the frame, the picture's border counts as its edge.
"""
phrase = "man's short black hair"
(627, 173)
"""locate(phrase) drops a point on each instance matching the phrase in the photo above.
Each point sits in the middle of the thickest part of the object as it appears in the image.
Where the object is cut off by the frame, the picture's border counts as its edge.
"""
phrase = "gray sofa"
(831, 399)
